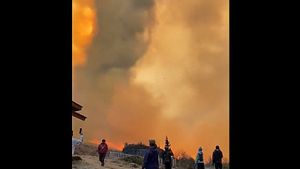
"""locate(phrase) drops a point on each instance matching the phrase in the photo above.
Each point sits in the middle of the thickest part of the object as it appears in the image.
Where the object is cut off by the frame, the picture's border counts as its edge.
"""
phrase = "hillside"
(92, 162)
(114, 160)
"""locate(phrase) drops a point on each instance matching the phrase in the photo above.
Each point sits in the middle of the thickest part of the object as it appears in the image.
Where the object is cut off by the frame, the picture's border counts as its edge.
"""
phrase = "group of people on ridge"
(216, 158)
(152, 155)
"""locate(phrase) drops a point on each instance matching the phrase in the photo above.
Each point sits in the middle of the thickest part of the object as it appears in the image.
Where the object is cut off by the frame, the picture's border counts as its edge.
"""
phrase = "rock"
(133, 165)
(76, 158)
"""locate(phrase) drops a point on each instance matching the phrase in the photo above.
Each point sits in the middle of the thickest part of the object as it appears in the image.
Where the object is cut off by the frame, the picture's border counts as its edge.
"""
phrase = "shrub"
(76, 158)
(225, 165)
(133, 159)
(184, 161)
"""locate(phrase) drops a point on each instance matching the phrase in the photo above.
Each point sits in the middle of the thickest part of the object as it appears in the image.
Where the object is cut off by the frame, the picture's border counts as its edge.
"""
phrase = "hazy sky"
(153, 68)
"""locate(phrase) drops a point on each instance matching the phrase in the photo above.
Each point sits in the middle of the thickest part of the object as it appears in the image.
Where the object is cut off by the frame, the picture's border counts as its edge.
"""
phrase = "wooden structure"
(76, 107)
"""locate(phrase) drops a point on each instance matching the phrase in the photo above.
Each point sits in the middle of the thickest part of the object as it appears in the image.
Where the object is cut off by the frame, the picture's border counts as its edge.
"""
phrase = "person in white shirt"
(76, 142)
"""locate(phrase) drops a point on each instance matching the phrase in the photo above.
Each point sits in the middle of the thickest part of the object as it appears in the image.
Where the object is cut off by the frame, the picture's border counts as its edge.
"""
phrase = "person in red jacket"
(102, 150)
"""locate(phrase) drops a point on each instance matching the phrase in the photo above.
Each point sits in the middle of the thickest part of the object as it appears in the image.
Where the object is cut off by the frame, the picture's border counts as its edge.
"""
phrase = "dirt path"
(92, 162)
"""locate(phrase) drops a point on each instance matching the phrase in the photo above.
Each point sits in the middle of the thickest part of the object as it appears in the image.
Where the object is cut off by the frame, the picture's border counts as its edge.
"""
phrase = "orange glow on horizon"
(111, 145)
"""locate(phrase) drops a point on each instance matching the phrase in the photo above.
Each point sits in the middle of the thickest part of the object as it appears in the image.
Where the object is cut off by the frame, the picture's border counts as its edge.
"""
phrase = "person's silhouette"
(151, 157)
(217, 158)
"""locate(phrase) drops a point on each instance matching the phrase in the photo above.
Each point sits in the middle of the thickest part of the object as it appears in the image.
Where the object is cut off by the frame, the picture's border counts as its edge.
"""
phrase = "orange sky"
(153, 68)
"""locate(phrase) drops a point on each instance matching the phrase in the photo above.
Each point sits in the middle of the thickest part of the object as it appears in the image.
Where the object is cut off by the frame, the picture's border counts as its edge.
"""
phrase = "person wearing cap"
(199, 162)
(151, 157)
(217, 158)
(102, 150)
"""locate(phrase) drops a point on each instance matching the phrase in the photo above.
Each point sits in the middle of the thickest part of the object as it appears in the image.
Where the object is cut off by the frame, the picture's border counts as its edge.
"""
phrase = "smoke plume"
(157, 68)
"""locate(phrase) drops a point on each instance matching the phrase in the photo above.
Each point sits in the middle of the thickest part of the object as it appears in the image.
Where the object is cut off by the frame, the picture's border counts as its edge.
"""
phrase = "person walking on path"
(102, 150)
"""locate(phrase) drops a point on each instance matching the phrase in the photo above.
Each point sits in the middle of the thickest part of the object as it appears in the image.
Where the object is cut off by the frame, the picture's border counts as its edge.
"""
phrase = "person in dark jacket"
(151, 157)
(168, 157)
(102, 150)
(199, 162)
(217, 158)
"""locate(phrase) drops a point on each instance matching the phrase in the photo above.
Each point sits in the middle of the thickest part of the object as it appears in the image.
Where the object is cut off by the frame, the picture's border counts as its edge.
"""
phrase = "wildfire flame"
(83, 29)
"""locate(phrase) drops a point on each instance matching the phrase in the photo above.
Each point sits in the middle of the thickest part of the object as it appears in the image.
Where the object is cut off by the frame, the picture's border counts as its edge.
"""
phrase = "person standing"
(76, 142)
(217, 158)
(199, 162)
(168, 158)
(167, 155)
(102, 150)
(151, 157)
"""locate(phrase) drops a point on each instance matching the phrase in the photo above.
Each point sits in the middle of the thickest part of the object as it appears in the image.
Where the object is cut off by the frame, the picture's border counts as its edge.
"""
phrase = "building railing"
(117, 155)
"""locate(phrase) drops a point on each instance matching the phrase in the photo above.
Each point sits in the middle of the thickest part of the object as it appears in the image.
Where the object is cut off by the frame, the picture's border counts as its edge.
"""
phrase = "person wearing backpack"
(168, 157)
(217, 158)
(199, 162)
(102, 150)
